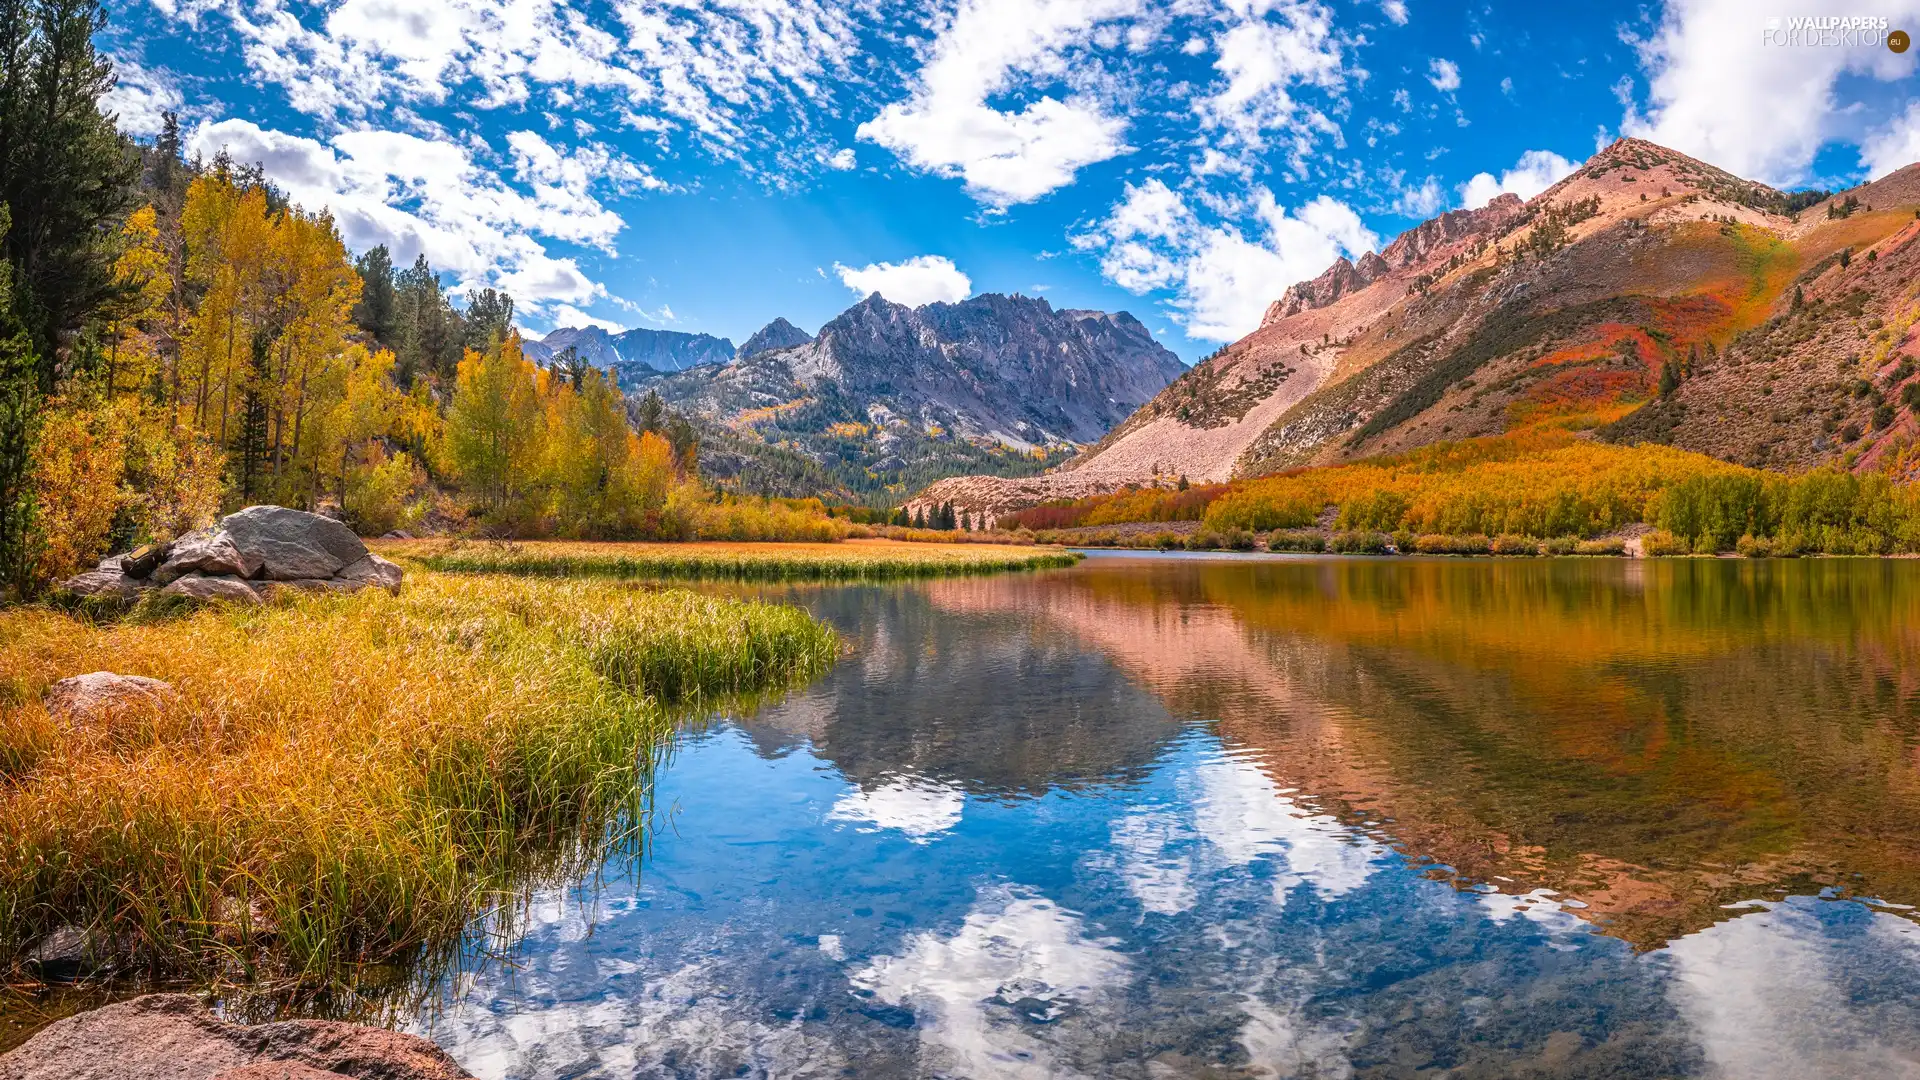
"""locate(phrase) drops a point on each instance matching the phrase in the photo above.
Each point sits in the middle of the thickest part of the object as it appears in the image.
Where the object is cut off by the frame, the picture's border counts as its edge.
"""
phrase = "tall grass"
(849, 561)
(341, 781)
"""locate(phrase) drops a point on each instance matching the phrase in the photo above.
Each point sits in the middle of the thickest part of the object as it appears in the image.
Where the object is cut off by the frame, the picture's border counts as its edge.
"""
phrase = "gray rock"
(109, 583)
(370, 572)
(98, 695)
(112, 562)
(62, 956)
(291, 544)
(210, 553)
(202, 587)
(174, 1037)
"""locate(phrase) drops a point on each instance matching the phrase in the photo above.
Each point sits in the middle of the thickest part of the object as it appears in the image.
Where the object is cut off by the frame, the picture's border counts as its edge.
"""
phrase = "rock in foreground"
(239, 559)
(97, 695)
(174, 1037)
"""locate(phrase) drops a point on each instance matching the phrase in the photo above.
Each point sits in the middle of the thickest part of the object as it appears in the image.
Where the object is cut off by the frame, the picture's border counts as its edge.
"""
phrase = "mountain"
(778, 334)
(628, 352)
(888, 395)
(1646, 297)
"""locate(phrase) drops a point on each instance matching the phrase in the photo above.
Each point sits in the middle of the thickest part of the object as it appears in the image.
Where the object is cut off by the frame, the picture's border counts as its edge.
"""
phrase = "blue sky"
(706, 166)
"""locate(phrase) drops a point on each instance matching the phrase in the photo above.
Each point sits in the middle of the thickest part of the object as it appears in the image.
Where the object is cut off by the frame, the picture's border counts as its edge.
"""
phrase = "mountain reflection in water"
(1309, 817)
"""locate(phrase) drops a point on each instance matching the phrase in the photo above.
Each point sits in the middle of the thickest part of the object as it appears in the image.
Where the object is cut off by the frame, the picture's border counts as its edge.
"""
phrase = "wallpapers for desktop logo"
(1844, 31)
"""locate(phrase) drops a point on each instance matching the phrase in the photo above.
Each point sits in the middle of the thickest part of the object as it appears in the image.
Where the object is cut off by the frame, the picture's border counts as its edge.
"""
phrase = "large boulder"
(370, 572)
(203, 587)
(248, 553)
(99, 695)
(292, 544)
(109, 583)
(174, 1037)
(211, 553)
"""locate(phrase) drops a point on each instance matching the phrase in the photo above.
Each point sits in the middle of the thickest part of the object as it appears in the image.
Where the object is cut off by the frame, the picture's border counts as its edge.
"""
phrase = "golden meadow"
(339, 781)
(848, 560)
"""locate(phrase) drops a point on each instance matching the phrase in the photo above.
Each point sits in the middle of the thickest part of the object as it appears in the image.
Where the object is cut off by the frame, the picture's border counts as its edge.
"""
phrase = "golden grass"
(344, 780)
(852, 560)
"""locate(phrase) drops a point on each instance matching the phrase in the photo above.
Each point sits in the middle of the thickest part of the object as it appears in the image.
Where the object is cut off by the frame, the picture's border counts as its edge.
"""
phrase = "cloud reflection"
(917, 806)
(986, 994)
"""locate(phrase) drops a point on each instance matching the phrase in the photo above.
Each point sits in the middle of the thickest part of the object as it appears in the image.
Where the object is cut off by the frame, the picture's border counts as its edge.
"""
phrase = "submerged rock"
(98, 695)
(176, 1037)
(62, 956)
(240, 557)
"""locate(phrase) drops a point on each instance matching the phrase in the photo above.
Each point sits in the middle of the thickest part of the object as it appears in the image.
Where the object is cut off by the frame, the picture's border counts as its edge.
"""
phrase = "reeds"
(875, 560)
(338, 781)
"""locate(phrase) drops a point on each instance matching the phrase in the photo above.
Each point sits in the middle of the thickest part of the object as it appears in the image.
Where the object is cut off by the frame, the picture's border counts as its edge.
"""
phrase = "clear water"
(1287, 817)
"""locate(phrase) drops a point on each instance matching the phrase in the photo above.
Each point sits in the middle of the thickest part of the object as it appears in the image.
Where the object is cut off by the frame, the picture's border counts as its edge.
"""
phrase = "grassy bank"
(346, 780)
(852, 560)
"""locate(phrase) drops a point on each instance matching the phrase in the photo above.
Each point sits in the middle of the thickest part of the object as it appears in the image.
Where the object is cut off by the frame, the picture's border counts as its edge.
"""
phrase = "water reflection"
(1305, 818)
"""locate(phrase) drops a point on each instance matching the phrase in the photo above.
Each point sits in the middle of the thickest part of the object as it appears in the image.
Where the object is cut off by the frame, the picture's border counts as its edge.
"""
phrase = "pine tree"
(651, 415)
(247, 456)
(489, 318)
(67, 177)
(375, 311)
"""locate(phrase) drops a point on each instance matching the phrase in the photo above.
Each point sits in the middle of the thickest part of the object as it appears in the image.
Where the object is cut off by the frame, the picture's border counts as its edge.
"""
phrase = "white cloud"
(1536, 171)
(1395, 10)
(984, 49)
(139, 96)
(1894, 146)
(841, 159)
(1222, 281)
(429, 196)
(1720, 93)
(1444, 75)
(568, 315)
(923, 279)
(719, 74)
(1264, 62)
(1421, 202)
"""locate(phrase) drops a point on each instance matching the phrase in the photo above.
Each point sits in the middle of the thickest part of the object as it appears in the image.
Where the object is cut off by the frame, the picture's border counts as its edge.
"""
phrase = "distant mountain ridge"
(885, 393)
(626, 352)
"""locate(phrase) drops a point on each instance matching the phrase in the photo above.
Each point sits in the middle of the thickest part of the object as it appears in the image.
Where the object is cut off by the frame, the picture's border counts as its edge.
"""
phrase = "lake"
(1316, 817)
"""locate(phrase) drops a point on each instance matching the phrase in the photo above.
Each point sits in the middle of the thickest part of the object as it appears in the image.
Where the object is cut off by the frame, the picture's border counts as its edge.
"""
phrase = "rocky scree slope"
(885, 392)
(1646, 297)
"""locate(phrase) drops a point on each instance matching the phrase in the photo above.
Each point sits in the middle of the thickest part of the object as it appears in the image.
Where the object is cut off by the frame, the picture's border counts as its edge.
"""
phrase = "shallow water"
(1281, 817)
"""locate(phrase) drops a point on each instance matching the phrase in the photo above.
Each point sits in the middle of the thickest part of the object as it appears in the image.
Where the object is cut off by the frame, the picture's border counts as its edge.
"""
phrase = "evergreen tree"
(247, 457)
(571, 367)
(489, 318)
(685, 440)
(1669, 378)
(428, 333)
(67, 177)
(651, 415)
(375, 311)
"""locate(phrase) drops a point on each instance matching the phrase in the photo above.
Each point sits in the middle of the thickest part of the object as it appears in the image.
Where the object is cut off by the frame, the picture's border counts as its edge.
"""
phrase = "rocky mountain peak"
(778, 334)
